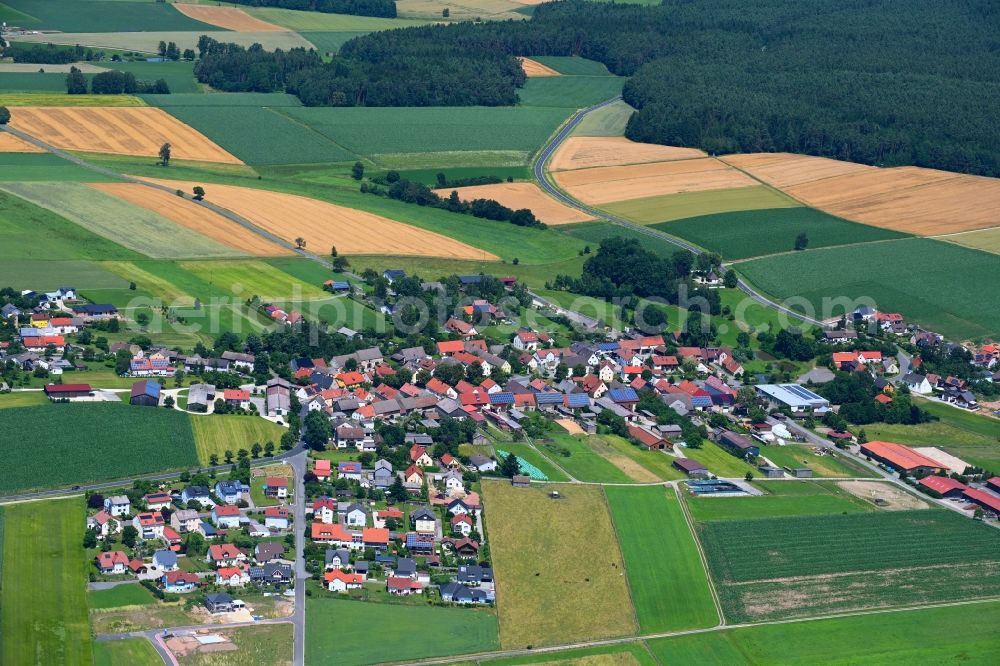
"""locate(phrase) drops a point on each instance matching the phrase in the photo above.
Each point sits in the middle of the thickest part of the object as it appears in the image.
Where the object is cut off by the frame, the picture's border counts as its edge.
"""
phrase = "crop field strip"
(586, 152)
(987, 240)
(122, 131)
(783, 498)
(653, 210)
(534, 68)
(227, 18)
(568, 91)
(147, 42)
(106, 15)
(523, 195)
(839, 563)
(12, 99)
(44, 166)
(608, 121)
(118, 220)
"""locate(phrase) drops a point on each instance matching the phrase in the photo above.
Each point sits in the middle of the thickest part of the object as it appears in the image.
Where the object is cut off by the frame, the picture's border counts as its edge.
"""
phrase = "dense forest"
(383, 8)
(884, 82)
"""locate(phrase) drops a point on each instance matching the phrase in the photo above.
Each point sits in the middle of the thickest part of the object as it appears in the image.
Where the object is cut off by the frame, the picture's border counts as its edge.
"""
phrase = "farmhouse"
(901, 458)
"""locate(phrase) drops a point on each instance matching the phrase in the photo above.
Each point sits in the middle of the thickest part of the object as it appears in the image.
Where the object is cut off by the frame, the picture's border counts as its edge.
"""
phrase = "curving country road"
(544, 180)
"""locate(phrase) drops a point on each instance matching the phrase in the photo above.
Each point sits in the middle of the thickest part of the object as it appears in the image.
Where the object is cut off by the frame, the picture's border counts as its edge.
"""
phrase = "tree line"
(382, 8)
(48, 54)
(112, 82)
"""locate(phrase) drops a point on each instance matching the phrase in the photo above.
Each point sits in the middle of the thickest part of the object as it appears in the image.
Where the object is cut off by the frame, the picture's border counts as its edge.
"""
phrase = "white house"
(117, 505)
(355, 516)
(918, 383)
(226, 516)
(104, 524)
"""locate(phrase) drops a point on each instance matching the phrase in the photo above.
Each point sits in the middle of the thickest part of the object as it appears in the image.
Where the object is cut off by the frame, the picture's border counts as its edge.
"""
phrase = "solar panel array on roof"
(549, 398)
(801, 392)
(501, 398)
(607, 346)
(701, 401)
(577, 400)
(629, 395)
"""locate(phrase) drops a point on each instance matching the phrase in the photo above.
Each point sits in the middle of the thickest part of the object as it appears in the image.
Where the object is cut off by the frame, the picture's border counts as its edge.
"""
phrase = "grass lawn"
(22, 399)
(719, 461)
(783, 498)
(217, 433)
(131, 651)
(955, 635)
(64, 99)
(666, 207)
(569, 91)
(263, 644)
(155, 439)
(43, 618)
(337, 631)
(954, 305)
(621, 654)
(533, 456)
(254, 278)
(37, 275)
(580, 460)
(120, 595)
(657, 463)
(257, 485)
(546, 552)
(669, 584)
(829, 465)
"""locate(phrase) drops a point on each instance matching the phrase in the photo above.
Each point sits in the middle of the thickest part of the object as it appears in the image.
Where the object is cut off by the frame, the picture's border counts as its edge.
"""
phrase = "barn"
(900, 458)
(145, 393)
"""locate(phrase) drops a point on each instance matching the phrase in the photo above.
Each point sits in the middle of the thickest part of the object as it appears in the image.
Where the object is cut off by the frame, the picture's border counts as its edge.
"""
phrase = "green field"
(546, 552)
(62, 99)
(610, 120)
(595, 232)
(178, 75)
(261, 644)
(131, 651)
(259, 135)
(135, 227)
(569, 91)
(719, 461)
(37, 275)
(301, 21)
(878, 559)
(106, 16)
(669, 585)
(33, 81)
(827, 465)
(43, 617)
(22, 399)
(253, 278)
(573, 65)
(653, 210)
(337, 631)
(956, 635)
(619, 653)
(330, 42)
(120, 595)
(22, 223)
(75, 446)
(19, 167)
(222, 99)
(924, 287)
(987, 240)
(783, 498)
(579, 460)
(744, 234)
(537, 459)
(216, 434)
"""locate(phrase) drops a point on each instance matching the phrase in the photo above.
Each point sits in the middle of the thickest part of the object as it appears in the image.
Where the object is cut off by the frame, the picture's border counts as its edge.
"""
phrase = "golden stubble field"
(117, 130)
(535, 68)
(229, 18)
(322, 224)
(585, 152)
(12, 144)
(522, 195)
(195, 217)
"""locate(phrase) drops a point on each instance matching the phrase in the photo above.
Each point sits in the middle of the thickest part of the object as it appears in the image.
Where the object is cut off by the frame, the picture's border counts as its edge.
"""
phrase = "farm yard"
(43, 619)
(840, 562)
(670, 588)
(74, 447)
(530, 533)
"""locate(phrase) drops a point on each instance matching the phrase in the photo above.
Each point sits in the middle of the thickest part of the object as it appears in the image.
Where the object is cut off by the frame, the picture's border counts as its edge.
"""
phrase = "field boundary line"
(621, 554)
(649, 651)
(733, 262)
(572, 479)
(701, 554)
(313, 130)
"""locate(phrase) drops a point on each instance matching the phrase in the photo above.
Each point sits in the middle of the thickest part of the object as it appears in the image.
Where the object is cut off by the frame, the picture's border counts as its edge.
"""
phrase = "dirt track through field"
(229, 18)
(909, 199)
(197, 218)
(117, 130)
(584, 152)
(620, 183)
(534, 68)
(323, 224)
(11, 144)
(523, 195)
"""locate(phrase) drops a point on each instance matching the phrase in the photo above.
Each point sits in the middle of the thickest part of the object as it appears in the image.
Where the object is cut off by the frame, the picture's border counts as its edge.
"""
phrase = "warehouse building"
(900, 458)
(797, 398)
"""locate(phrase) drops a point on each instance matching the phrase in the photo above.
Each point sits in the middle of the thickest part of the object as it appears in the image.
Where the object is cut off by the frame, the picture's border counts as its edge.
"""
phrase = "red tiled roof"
(899, 455)
(942, 484)
(991, 501)
(235, 394)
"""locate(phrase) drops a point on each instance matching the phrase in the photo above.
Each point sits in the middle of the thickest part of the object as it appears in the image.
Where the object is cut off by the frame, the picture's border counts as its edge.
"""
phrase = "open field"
(43, 618)
(301, 21)
(640, 465)
(572, 65)
(619, 654)
(744, 234)
(668, 582)
(324, 224)
(887, 496)
(157, 439)
(719, 461)
(148, 41)
(949, 302)
(330, 42)
(22, 223)
(35, 274)
(62, 99)
(530, 533)
(178, 75)
(22, 399)
(33, 81)
(465, 10)
(987, 240)
(120, 595)
(27, 167)
(254, 278)
(575, 456)
(248, 99)
(262, 644)
(569, 91)
(603, 185)
(955, 635)
(839, 563)
(534, 68)
(137, 228)
(336, 631)
(216, 434)
(123, 131)
(259, 135)
(651, 210)
(585, 152)
(197, 218)
(228, 18)
(523, 195)
(595, 232)
(11, 144)
(533, 456)
(65, 16)
(909, 199)
(830, 465)
(609, 120)
(33, 68)
(783, 498)
(131, 651)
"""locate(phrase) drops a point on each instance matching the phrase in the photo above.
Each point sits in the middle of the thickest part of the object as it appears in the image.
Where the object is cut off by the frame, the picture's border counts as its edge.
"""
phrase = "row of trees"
(112, 82)
(48, 54)
(383, 8)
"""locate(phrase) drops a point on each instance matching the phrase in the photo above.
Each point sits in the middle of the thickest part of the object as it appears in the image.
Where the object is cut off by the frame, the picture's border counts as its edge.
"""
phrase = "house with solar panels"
(797, 398)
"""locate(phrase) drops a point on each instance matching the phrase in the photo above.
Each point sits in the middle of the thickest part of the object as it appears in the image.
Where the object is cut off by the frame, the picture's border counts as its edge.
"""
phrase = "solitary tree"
(340, 264)
(510, 466)
(165, 155)
(168, 402)
(333, 251)
(255, 449)
(199, 192)
(129, 535)
(445, 12)
(4, 115)
(748, 476)
(300, 242)
(801, 241)
(269, 449)
(358, 171)
(76, 82)
(730, 279)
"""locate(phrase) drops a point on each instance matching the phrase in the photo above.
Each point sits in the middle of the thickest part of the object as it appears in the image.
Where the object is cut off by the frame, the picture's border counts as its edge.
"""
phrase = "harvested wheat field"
(910, 199)
(523, 195)
(621, 183)
(570, 426)
(788, 169)
(585, 152)
(12, 144)
(197, 218)
(987, 240)
(229, 18)
(323, 224)
(117, 130)
(535, 68)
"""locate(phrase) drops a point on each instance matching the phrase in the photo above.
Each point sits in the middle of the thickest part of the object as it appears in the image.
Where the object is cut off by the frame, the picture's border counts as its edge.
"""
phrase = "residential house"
(118, 505)
(225, 555)
(272, 573)
(355, 515)
(482, 464)
(403, 586)
(103, 524)
(276, 486)
(236, 398)
(165, 560)
(462, 523)
(112, 562)
(232, 576)
(917, 383)
(276, 517)
(230, 492)
(424, 521)
(199, 494)
(268, 551)
(150, 525)
(219, 602)
(225, 516)
(457, 593)
(188, 520)
(179, 582)
(340, 581)
(157, 501)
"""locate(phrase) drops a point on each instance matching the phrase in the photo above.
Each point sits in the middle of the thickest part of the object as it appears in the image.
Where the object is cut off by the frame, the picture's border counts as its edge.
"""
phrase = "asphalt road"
(544, 180)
